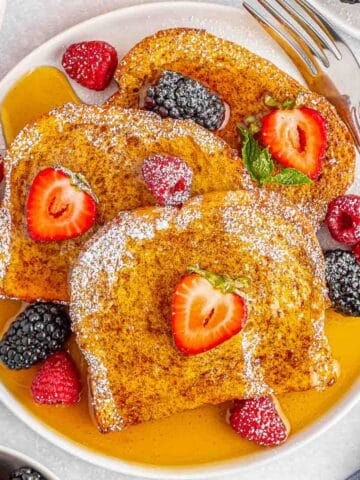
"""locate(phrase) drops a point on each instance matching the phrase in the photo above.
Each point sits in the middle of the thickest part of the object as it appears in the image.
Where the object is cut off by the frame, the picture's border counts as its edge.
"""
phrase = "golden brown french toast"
(241, 79)
(122, 287)
(108, 146)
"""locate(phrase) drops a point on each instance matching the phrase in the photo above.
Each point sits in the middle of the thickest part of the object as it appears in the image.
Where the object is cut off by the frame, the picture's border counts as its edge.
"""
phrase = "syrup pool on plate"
(34, 94)
(192, 437)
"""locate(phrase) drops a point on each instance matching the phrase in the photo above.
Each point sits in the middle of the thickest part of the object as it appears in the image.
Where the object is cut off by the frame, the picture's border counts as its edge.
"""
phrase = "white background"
(333, 456)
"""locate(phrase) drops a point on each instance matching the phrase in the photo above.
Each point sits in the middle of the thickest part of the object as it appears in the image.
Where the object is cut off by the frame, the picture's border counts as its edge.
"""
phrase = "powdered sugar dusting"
(114, 257)
(203, 49)
(168, 178)
(5, 222)
(119, 133)
(102, 390)
(111, 252)
(253, 372)
(137, 228)
(20, 151)
(114, 118)
(189, 213)
(264, 242)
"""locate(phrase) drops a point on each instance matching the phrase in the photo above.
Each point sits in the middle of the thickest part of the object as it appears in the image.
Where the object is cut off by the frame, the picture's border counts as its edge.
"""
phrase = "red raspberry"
(343, 219)
(356, 252)
(260, 420)
(92, 64)
(168, 179)
(57, 381)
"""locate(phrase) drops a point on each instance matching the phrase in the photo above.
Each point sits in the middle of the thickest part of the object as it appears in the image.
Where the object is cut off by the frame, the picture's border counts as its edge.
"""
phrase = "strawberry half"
(260, 420)
(60, 206)
(296, 138)
(206, 311)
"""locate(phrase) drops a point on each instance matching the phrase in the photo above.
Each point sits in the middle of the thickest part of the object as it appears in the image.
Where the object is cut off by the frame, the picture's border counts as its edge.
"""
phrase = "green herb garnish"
(260, 164)
(273, 103)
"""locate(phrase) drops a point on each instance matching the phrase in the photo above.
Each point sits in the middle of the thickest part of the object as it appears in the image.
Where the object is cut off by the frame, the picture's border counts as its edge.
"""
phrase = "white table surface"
(333, 456)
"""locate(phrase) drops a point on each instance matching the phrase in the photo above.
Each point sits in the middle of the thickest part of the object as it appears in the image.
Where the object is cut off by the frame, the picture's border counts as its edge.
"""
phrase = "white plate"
(18, 460)
(343, 15)
(2, 10)
(123, 28)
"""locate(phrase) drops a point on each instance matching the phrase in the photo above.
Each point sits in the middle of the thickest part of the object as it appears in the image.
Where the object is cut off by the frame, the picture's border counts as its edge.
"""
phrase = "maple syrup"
(192, 437)
(34, 94)
(197, 436)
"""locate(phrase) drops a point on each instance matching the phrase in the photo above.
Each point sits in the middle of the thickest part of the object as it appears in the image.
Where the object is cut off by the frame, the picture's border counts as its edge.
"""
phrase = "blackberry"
(352, 2)
(40, 330)
(25, 473)
(182, 97)
(343, 281)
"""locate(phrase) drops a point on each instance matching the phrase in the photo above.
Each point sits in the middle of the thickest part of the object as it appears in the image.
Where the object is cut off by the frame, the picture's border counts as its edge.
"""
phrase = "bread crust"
(108, 146)
(242, 79)
(121, 291)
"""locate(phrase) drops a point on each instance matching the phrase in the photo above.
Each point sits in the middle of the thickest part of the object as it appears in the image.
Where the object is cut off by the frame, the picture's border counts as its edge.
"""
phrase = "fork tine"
(295, 29)
(285, 40)
(314, 25)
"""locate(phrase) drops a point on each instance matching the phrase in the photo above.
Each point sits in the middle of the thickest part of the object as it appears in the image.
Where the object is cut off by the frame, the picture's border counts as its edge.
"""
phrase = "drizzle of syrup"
(192, 437)
(34, 94)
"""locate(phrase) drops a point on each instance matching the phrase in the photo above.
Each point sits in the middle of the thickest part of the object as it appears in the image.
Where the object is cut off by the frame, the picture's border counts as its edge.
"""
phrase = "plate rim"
(2, 11)
(337, 21)
(188, 472)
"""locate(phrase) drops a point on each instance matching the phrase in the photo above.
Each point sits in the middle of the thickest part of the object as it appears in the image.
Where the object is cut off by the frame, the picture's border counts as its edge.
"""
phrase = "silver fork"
(324, 59)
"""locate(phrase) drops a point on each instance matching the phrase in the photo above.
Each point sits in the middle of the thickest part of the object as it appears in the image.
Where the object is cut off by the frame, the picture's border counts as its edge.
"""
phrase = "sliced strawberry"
(296, 138)
(60, 206)
(206, 311)
(260, 420)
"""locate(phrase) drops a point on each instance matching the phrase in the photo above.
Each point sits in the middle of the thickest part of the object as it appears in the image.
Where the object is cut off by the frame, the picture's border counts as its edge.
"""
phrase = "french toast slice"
(107, 146)
(242, 79)
(121, 294)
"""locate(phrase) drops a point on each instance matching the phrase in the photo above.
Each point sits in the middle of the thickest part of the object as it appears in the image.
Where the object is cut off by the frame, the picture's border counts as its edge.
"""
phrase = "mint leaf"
(258, 162)
(250, 151)
(263, 166)
(290, 176)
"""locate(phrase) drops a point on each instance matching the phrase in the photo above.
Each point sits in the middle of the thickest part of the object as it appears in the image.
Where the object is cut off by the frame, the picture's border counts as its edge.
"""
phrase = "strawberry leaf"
(224, 283)
(273, 103)
(290, 176)
(288, 104)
